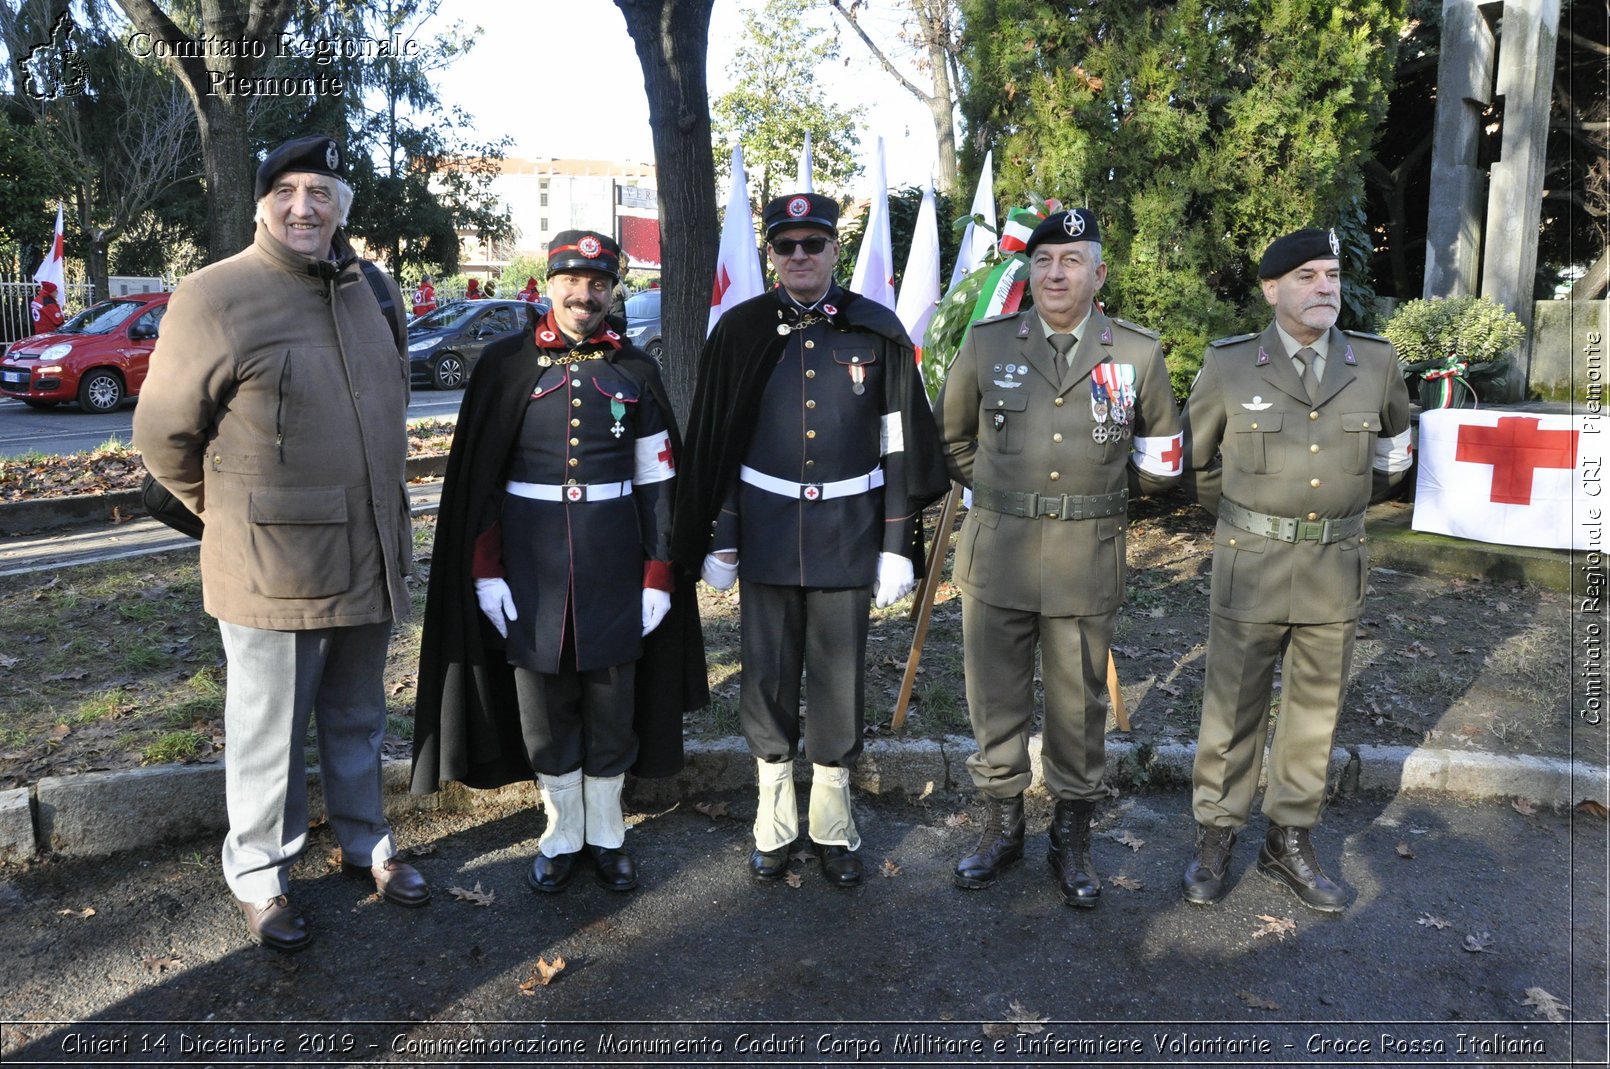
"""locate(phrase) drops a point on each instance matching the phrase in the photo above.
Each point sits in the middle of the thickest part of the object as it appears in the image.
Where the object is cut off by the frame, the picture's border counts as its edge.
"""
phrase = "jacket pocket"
(1238, 565)
(972, 559)
(1359, 431)
(1001, 420)
(297, 543)
(1255, 442)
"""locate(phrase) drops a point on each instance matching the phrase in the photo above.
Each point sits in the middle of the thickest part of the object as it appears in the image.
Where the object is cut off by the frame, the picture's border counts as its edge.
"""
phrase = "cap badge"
(799, 206)
(1335, 243)
(589, 247)
(1073, 224)
(332, 155)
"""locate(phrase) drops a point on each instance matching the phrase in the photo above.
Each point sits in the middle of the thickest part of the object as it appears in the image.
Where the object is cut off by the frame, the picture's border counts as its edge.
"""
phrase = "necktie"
(1061, 343)
(1305, 358)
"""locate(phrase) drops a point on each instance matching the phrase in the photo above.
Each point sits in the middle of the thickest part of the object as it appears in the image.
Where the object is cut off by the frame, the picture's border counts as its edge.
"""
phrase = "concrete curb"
(100, 813)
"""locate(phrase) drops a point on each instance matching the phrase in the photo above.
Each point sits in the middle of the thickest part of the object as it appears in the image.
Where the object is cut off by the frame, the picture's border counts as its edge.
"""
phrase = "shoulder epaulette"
(1221, 342)
(1001, 317)
(1368, 335)
(1136, 327)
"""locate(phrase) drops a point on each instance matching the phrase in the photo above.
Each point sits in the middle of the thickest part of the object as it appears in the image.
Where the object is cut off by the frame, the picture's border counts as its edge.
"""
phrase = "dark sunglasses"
(812, 246)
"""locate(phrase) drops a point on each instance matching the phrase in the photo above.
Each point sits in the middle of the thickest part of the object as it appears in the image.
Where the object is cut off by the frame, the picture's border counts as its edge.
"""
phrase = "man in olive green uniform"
(1050, 416)
(1289, 433)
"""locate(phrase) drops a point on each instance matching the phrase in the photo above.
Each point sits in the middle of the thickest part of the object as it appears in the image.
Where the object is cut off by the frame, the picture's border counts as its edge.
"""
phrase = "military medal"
(857, 379)
(999, 420)
(784, 329)
(1098, 410)
(617, 409)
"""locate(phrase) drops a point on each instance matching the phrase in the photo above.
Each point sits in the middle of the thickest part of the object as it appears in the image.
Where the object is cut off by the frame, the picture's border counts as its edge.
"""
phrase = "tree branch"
(877, 53)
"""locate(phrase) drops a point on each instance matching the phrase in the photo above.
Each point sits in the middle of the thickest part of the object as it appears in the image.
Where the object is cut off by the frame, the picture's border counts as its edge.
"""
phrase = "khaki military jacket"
(1253, 437)
(1009, 422)
(276, 409)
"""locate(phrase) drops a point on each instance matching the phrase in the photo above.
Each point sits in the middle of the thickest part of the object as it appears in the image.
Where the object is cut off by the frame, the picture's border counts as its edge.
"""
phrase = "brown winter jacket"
(275, 409)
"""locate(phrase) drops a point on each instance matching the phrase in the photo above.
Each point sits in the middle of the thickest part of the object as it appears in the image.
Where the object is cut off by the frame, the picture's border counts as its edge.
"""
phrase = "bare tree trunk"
(672, 39)
(1592, 286)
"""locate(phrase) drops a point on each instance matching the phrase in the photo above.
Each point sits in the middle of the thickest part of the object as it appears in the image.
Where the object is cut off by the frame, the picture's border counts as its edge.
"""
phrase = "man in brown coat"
(1050, 415)
(275, 409)
(1289, 435)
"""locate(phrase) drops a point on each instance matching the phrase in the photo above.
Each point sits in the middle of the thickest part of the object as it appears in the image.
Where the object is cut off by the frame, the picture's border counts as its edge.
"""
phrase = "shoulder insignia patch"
(1136, 327)
(1221, 342)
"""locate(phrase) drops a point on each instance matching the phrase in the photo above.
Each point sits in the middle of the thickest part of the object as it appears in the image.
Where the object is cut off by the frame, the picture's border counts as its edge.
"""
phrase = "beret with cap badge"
(314, 154)
(1064, 227)
(1297, 248)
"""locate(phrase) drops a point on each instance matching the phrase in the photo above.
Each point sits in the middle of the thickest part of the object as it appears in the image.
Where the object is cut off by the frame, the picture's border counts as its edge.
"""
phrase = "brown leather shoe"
(275, 923)
(1204, 881)
(397, 882)
(1288, 858)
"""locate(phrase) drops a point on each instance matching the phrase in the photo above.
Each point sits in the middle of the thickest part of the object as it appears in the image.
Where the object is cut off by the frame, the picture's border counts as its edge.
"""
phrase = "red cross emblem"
(812, 493)
(723, 281)
(574, 493)
(1171, 455)
(1515, 448)
(665, 454)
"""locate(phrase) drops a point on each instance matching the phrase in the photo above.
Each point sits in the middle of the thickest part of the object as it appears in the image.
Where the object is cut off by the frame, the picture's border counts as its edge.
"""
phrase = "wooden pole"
(1115, 694)
(923, 600)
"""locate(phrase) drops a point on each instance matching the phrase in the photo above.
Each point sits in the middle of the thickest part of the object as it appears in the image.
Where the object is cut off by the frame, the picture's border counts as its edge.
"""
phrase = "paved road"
(903, 971)
(66, 429)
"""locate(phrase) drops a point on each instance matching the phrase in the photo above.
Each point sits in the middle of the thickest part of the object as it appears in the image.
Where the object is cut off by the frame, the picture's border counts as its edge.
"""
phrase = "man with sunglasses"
(811, 453)
(1053, 416)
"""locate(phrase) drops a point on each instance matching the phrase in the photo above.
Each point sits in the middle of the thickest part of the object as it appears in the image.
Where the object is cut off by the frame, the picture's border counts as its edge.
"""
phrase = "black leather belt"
(1051, 506)
(1290, 528)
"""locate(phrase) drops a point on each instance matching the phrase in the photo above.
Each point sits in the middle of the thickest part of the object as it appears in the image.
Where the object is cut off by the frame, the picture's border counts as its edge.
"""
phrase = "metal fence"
(15, 294)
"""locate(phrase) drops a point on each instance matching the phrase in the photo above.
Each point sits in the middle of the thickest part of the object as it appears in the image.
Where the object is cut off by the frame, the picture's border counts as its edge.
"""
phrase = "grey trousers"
(277, 680)
(998, 656)
(789, 629)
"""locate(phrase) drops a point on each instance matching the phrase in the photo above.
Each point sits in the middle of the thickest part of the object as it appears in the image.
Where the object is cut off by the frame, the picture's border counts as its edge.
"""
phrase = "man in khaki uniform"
(1050, 416)
(1288, 432)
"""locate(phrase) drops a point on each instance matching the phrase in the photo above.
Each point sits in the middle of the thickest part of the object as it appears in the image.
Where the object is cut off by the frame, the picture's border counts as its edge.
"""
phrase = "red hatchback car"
(98, 358)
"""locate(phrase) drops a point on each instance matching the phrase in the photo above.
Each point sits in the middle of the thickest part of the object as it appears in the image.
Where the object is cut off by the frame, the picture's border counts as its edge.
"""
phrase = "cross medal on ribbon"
(1112, 394)
(617, 408)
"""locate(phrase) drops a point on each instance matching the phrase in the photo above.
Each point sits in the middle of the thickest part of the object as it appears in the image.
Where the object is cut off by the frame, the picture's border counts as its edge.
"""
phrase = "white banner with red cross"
(1511, 478)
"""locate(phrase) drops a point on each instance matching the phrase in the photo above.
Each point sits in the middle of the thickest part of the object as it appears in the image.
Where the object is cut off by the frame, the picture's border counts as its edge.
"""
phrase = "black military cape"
(466, 720)
(736, 364)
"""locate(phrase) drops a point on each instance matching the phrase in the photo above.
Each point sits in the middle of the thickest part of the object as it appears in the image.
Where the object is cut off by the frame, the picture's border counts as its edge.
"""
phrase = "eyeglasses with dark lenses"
(812, 246)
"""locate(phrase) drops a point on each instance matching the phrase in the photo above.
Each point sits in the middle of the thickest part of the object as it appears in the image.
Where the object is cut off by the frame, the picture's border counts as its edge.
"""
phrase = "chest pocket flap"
(1360, 421)
(618, 390)
(1254, 422)
(855, 357)
(1005, 401)
(550, 380)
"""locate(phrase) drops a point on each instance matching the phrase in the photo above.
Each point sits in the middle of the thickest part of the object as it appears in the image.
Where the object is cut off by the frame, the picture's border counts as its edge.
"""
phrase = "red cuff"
(657, 576)
(487, 560)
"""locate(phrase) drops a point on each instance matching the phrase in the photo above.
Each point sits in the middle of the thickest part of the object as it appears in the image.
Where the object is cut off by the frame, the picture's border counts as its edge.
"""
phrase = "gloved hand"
(896, 579)
(656, 603)
(497, 602)
(719, 573)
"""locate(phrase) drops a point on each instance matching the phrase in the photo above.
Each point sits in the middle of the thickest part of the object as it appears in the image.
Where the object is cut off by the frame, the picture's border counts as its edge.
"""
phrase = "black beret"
(1062, 228)
(801, 209)
(1296, 249)
(315, 154)
(584, 250)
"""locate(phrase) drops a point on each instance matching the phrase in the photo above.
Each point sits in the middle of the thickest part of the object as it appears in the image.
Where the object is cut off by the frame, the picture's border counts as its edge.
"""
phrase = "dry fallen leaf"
(476, 897)
(792, 879)
(1127, 838)
(159, 963)
(1476, 942)
(957, 820)
(1276, 926)
(713, 810)
(1593, 809)
(1525, 807)
(889, 868)
(1545, 1005)
(1019, 1020)
(422, 850)
(1257, 1002)
(1430, 921)
(1405, 852)
(1128, 883)
(87, 911)
(8, 662)
(542, 974)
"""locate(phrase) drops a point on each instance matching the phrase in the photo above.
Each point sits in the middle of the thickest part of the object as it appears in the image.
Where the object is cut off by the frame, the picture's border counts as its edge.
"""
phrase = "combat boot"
(1288, 858)
(1204, 881)
(1070, 854)
(1000, 844)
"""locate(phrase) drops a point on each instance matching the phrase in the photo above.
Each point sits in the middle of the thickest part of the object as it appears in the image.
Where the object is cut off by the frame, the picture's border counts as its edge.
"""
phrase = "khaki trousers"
(1235, 718)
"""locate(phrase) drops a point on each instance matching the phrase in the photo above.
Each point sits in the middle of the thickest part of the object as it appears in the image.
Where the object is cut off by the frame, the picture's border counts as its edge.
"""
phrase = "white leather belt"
(859, 484)
(570, 491)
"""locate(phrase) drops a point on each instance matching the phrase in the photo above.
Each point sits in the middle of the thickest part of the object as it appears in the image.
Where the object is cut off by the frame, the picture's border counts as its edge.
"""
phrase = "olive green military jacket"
(1252, 437)
(1010, 423)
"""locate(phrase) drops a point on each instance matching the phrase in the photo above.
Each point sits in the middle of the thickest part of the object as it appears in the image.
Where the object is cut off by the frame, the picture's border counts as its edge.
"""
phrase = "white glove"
(497, 602)
(718, 573)
(656, 603)
(896, 579)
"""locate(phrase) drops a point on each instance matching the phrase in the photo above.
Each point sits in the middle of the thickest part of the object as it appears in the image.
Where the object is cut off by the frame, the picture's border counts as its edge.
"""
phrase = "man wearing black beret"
(1052, 416)
(554, 530)
(811, 453)
(276, 410)
(1289, 436)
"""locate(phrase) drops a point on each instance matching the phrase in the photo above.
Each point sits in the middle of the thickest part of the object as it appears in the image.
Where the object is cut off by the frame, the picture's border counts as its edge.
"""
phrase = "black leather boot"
(1070, 854)
(1204, 880)
(1288, 858)
(1000, 844)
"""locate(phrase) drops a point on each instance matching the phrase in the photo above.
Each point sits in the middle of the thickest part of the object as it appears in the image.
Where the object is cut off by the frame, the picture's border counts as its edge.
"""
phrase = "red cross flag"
(50, 268)
(1512, 478)
(738, 276)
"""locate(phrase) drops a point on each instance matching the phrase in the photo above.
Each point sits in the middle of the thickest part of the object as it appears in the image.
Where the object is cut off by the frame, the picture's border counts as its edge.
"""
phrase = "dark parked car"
(443, 345)
(98, 358)
(643, 322)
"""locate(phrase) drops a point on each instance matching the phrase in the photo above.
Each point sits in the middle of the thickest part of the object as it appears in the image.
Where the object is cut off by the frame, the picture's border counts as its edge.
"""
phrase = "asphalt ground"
(1462, 913)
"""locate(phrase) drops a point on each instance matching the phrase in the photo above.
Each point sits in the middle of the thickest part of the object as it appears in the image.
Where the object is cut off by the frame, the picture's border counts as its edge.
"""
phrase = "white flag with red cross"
(738, 276)
(50, 268)
(1511, 478)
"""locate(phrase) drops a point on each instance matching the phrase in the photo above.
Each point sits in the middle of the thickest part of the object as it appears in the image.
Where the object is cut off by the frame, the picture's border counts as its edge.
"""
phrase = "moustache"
(583, 304)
